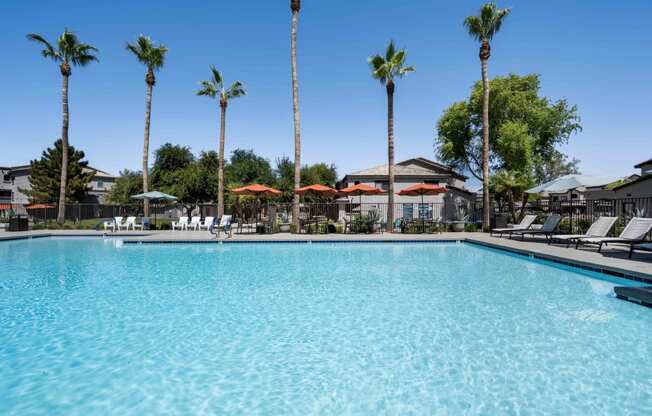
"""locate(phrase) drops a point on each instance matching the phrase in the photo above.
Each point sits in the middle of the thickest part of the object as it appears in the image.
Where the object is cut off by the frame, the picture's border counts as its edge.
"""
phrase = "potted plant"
(460, 215)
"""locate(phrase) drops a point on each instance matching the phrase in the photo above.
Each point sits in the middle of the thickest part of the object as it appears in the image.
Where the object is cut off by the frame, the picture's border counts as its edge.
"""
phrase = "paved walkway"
(613, 258)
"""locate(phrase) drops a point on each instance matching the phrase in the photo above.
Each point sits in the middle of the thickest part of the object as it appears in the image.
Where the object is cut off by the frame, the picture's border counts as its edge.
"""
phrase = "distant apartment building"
(638, 185)
(15, 178)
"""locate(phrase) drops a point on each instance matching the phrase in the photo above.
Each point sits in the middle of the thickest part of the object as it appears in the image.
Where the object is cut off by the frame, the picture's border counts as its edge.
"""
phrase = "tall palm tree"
(69, 51)
(214, 88)
(483, 27)
(386, 69)
(295, 6)
(153, 57)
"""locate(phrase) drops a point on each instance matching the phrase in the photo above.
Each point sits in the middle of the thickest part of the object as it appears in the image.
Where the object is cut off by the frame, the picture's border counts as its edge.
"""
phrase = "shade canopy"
(317, 190)
(422, 189)
(39, 206)
(567, 183)
(361, 189)
(256, 190)
(155, 196)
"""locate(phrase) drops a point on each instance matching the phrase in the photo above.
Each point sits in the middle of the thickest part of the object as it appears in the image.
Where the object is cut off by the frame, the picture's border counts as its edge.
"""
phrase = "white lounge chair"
(208, 222)
(641, 247)
(548, 229)
(525, 224)
(120, 224)
(182, 224)
(634, 233)
(599, 228)
(224, 225)
(194, 223)
(112, 224)
(131, 222)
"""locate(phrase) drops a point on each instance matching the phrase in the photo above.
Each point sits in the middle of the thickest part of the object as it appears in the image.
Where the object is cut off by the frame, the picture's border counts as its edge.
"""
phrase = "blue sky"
(595, 54)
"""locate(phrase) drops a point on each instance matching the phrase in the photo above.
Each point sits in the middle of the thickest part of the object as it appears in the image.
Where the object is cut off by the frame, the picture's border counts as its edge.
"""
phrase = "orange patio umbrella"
(39, 206)
(317, 190)
(422, 189)
(256, 190)
(361, 189)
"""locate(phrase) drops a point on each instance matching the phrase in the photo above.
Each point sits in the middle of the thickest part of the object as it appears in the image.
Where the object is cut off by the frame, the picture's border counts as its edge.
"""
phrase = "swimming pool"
(89, 326)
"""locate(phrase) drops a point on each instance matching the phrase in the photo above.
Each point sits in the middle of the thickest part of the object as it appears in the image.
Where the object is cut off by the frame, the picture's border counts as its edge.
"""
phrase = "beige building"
(13, 179)
(411, 172)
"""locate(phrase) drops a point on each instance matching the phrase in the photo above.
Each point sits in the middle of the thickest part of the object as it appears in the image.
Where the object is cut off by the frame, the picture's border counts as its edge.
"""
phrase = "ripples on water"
(91, 327)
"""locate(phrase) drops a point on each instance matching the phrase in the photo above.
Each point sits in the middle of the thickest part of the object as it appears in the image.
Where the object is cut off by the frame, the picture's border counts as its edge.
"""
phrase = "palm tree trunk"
(148, 114)
(61, 216)
(485, 147)
(390, 154)
(297, 118)
(220, 162)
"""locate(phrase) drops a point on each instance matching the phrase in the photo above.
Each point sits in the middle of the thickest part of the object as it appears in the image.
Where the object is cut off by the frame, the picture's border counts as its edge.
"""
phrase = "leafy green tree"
(387, 68)
(168, 160)
(523, 142)
(46, 171)
(318, 173)
(214, 88)
(246, 167)
(69, 51)
(153, 57)
(127, 184)
(295, 7)
(482, 28)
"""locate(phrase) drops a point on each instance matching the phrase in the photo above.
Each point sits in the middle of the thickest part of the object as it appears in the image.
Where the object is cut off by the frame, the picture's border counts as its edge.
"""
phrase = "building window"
(6, 177)
(384, 185)
(425, 211)
(100, 184)
(408, 211)
(356, 183)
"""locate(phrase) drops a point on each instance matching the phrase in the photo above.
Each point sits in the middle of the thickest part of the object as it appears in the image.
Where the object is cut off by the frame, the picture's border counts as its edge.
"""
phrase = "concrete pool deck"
(612, 260)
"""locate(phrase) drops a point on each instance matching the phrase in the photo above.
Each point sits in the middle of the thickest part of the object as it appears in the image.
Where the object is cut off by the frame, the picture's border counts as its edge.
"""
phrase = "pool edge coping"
(583, 265)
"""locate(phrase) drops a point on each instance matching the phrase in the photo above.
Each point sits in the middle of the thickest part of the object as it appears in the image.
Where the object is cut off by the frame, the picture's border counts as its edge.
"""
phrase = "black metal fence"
(577, 214)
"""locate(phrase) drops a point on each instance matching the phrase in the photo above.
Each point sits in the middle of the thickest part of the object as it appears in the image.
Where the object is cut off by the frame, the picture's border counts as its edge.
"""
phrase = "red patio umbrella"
(422, 189)
(317, 190)
(256, 190)
(361, 189)
(39, 206)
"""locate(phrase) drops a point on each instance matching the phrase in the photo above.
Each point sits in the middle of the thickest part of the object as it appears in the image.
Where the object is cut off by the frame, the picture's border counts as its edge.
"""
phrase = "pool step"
(642, 295)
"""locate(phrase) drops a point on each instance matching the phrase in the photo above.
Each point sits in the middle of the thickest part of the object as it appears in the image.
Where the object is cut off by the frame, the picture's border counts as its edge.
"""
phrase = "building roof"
(639, 180)
(418, 166)
(647, 162)
(98, 172)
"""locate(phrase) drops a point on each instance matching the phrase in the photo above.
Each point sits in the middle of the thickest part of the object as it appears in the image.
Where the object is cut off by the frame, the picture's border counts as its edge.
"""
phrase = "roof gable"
(417, 166)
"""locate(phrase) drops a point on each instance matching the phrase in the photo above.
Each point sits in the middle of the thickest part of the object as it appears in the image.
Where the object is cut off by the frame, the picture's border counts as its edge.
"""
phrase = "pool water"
(90, 326)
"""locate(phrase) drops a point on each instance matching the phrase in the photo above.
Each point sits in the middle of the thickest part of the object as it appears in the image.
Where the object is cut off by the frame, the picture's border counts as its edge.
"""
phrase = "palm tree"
(214, 89)
(482, 28)
(69, 51)
(295, 6)
(153, 57)
(386, 69)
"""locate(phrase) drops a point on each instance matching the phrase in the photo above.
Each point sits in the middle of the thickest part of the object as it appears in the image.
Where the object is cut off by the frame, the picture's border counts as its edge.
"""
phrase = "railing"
(578, 215)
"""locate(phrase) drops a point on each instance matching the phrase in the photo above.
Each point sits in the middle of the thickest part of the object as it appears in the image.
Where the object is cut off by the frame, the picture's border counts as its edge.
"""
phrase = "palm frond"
(235, 90)
(148, 53)
(207, 89)
(487, 23)
(217, 77)
(48, 51)
(391, 65)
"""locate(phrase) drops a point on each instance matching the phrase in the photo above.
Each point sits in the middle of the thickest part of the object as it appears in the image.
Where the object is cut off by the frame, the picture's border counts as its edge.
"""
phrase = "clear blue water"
(89, 327)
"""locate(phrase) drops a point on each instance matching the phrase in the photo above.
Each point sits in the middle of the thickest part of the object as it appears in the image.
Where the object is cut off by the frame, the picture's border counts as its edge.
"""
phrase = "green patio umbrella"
(155, 196)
